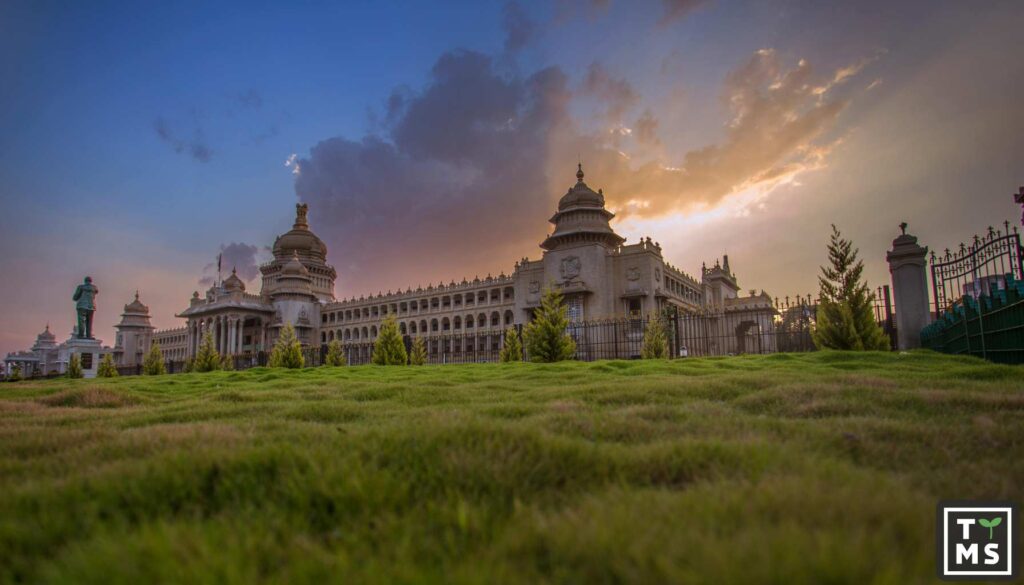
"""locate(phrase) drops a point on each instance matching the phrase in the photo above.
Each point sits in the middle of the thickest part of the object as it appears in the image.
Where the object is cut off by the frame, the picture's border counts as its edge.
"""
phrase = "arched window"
(412, 327)
(457, 323)
(495, 319)
(373, 332)
(366, 333)
(508, 318)
(510, 293)
(433, 324)
(446, 325)
(423, 326)
(469, 321)
(481, 320)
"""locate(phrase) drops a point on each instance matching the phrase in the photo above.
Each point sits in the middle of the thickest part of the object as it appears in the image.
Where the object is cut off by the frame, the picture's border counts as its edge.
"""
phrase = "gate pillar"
(907, 265)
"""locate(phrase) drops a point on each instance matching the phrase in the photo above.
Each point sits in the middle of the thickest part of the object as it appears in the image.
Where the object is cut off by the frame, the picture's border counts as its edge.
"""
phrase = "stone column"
(908, 267)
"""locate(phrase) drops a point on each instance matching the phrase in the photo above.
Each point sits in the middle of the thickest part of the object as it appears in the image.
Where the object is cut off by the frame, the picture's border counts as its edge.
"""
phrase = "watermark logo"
(975, 541)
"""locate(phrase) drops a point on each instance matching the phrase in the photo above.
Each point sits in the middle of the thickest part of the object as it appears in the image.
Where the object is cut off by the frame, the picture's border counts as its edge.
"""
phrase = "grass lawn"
(813, 468)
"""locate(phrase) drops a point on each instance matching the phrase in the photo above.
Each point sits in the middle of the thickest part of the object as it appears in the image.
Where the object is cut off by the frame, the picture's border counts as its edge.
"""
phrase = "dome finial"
(136, 294)
(579, 171)
(301, 209)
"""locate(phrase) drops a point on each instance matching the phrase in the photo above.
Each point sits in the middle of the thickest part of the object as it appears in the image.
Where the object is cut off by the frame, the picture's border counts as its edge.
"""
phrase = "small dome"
(233, 283)
(136, 306)
(294, 268)
(46, 335)
(300, 239)
(580, 195)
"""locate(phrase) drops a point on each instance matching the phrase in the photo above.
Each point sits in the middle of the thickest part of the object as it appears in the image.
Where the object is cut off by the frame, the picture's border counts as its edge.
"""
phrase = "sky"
(432, 141)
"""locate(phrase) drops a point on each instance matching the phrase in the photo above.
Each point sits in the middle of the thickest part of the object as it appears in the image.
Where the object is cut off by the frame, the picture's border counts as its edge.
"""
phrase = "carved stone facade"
(600, 275)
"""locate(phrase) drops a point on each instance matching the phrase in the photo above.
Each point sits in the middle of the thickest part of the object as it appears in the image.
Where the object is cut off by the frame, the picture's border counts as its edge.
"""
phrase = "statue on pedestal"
(85, 296)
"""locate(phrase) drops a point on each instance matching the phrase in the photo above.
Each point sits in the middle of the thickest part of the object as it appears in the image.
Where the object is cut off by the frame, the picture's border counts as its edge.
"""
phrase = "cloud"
(646, 129)
(468, 168)
(616, 94)
(238, 256)
(589, 9)
(438, 189)
(517, 25)
(773, 133)
(675, 10)
(196, 147)
(249, 99)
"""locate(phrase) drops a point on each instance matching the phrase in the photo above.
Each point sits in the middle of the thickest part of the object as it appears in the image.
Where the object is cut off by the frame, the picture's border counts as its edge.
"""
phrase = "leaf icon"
(990, 524)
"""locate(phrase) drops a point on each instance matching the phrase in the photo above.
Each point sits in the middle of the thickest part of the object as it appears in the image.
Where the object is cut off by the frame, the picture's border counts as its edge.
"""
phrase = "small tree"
(74, 366)
(546, 339)
(335, 354)
(107, 369)
(153, 363)
(845, 318)
(227, 363)
(418, 355)
(15, 373)
(513, 349)
(389, 349)
(655, 346)
(207, 359)
(189, 366)
(287, 352)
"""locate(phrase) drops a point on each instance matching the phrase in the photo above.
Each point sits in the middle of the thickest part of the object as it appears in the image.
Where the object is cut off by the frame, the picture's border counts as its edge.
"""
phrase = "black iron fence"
(978, 269)
(979, 298)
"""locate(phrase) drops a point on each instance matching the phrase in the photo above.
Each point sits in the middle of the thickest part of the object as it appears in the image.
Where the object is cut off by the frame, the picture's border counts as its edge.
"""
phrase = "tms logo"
(976, 541)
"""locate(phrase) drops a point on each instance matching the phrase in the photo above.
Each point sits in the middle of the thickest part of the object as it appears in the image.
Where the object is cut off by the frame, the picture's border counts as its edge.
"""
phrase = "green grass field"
(813, 468)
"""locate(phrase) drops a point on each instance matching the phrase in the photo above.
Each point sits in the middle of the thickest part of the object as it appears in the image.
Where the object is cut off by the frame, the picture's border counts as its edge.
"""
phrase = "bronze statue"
(85, 294)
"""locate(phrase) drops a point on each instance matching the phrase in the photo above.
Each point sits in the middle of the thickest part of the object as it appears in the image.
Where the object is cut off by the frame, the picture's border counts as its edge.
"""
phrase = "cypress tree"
(74, 366)
(335, 354)
(389, 349)
(546, 339)
(207, 359)
(287, 352)
(418, 355)
(153, 364)
(107, 369)
(845, 319)
(655, 345)
(513, 350)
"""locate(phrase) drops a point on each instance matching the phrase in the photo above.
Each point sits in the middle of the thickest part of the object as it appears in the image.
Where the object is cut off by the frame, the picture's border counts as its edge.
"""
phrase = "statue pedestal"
(89, 351)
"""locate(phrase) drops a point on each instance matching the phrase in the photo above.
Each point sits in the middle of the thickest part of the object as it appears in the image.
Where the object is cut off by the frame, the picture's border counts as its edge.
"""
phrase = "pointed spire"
(579, 172)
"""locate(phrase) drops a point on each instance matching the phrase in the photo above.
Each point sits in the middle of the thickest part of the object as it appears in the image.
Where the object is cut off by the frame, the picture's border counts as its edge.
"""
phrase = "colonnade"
(228, 333)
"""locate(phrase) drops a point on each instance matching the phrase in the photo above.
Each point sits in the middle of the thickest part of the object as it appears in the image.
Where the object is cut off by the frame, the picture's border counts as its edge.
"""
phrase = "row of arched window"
(438, 303)
(458, 323)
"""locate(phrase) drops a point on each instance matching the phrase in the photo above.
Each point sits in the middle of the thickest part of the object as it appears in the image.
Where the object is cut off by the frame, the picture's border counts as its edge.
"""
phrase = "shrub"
(207, 359)
(227, 363)
(845, 319)
(74, 366)
(513, 349)
(153, 363)
(418, 355)
(655, 346)
(335, 354)
(107, 369)
(15, 373)
(287, 352)
(546, 339)
(389, 349)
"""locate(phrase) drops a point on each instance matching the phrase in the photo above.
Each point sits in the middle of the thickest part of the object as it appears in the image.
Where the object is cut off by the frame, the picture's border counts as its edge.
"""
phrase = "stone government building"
(600, 275)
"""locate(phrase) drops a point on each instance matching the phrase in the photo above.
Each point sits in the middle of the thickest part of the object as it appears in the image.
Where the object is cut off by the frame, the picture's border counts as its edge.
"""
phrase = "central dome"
(580, 195)
(300, 240)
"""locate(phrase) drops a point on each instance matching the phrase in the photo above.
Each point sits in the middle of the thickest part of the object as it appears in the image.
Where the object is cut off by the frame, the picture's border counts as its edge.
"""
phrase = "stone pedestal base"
(90, 352)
